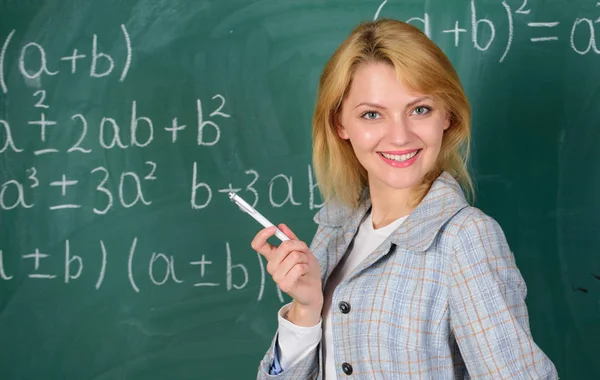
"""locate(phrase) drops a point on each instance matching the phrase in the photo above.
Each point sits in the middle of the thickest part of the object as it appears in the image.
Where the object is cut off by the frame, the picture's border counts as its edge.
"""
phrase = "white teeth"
(400, 158)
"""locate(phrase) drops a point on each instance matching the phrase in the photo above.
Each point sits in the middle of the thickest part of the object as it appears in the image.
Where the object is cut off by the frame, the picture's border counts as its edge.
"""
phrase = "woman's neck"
(389, 205)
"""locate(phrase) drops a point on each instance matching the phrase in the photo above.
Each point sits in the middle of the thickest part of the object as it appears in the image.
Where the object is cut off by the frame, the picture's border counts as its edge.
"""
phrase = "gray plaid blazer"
(440, 298)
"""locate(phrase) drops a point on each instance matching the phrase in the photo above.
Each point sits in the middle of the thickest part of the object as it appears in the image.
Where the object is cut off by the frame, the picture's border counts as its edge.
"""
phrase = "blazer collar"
(443, 200)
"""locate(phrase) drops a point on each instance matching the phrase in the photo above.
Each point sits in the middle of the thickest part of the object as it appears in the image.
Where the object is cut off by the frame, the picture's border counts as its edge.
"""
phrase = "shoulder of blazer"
(444, 199)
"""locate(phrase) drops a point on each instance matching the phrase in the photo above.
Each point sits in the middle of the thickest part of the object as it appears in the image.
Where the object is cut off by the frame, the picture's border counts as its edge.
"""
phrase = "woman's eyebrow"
(418, 100)
(410, 104)
(372, 105)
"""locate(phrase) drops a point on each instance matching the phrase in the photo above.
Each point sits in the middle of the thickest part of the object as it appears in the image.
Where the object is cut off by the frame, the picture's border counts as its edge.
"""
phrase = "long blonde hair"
(424, 68)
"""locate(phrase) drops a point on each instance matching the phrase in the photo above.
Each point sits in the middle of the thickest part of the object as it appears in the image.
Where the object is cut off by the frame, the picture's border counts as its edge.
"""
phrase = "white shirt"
(295, 342)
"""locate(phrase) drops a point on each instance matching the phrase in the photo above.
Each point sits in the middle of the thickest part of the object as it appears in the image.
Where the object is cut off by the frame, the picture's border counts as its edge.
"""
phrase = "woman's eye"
(421, 110)
(370, 115)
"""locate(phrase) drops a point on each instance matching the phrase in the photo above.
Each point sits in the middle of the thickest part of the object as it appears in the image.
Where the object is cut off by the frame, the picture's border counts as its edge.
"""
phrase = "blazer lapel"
(443, 200)
(418, 232)
(345, 222)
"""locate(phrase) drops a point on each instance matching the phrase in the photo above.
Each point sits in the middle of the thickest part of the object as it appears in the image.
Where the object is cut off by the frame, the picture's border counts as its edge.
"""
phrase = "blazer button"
(347, 368)
(344, 307)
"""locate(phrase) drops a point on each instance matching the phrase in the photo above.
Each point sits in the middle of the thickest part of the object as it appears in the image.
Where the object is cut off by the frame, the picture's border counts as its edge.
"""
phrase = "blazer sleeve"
(488, 314)
(306, 368)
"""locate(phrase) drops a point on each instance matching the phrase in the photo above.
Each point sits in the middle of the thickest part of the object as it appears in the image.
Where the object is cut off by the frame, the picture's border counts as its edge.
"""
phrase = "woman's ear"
(448, 120)
(341, 131)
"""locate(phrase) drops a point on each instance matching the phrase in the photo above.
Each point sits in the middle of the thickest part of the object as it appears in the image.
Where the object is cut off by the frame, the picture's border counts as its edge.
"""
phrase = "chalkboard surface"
(124, 123)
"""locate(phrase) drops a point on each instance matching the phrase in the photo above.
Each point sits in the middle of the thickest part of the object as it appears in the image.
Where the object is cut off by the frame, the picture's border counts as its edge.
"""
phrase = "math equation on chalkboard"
(55, 137)
(483, 32)
(157, 269)
(90, 133)
(48, 136)
(109, 133)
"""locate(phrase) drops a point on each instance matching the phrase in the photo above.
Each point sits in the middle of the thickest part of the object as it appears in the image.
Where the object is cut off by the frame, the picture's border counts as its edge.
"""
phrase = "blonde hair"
(424, 68)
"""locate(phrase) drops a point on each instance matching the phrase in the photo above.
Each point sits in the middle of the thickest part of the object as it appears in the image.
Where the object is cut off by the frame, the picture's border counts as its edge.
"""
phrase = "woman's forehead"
(380, 77)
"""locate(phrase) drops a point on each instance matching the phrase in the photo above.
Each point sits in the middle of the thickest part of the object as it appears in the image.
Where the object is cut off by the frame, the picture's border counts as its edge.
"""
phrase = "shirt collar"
(443, 200)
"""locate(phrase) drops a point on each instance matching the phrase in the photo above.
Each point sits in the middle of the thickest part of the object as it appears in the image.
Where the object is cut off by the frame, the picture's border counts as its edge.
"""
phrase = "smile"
(400, 157)
(400, 160)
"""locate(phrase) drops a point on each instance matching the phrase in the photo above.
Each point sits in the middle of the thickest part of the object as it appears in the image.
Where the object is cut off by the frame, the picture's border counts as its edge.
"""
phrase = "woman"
(403, 278)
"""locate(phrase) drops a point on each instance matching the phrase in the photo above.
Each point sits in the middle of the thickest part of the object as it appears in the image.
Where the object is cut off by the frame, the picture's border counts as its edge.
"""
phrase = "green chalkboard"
(123, 124)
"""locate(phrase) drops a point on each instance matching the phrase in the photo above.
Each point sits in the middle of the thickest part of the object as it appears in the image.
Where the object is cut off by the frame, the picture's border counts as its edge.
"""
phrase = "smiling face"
(396, 134)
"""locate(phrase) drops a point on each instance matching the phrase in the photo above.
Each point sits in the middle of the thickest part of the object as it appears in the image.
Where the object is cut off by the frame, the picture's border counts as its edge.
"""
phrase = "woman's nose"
(398, 130)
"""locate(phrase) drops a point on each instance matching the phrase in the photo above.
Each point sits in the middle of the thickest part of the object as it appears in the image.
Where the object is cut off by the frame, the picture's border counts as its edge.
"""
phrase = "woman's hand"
(297, 273)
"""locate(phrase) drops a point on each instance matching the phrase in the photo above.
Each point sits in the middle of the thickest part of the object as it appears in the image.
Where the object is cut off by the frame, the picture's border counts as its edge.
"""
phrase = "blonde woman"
(403, 279)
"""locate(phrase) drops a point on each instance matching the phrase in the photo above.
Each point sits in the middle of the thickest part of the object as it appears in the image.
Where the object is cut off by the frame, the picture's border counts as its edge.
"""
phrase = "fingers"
(260, 245)
(285, 229)
(287, 262)
(291, 261)
(283, 251)
(289, 283)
